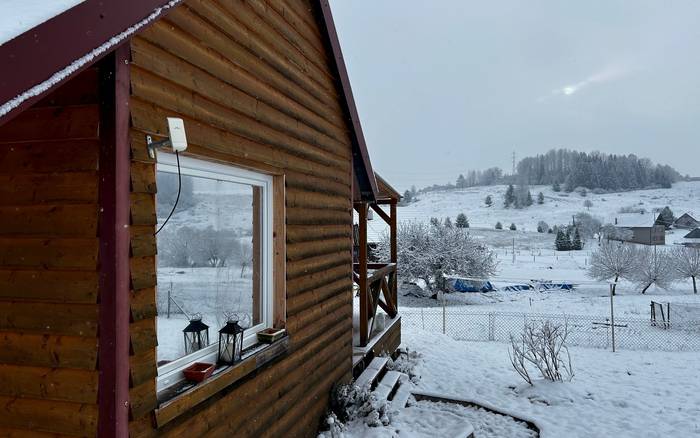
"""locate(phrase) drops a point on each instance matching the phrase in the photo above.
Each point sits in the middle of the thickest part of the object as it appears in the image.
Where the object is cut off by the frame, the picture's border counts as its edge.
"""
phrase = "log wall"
(48, 264)
(255, 84)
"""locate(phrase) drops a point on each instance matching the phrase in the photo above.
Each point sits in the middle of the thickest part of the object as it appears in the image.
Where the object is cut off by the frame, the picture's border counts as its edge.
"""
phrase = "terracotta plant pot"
(198, 371)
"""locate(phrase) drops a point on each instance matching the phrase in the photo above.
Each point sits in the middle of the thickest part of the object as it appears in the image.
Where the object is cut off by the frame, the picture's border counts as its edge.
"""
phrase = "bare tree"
(246, 254)
(543, 346)
(430, 252)
(612, 261)
(654, 267)
(686, 262)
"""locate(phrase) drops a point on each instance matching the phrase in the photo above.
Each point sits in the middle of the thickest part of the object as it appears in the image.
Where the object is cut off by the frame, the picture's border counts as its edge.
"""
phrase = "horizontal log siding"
(252, 81)
(48, 264)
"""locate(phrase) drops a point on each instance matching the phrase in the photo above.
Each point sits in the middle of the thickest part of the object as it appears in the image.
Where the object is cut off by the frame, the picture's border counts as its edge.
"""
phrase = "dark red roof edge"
(361, 162)
(39, 53)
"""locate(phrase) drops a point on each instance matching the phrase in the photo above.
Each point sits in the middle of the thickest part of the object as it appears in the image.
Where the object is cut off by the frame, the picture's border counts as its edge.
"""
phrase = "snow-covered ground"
(623, 394)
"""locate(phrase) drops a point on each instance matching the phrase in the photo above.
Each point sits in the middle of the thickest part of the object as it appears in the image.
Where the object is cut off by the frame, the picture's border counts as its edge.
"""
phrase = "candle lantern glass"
(196, 335)
(230, 343)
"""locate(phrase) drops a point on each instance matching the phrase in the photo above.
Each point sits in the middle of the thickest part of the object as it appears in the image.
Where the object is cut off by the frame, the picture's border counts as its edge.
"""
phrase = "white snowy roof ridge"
(83, 60)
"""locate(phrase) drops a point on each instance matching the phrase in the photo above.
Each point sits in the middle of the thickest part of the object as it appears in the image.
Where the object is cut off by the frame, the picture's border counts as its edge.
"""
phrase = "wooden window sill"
(176, 401)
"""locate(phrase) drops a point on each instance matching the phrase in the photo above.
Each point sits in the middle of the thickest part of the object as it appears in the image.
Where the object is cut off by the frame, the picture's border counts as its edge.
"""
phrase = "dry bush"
(544, 347)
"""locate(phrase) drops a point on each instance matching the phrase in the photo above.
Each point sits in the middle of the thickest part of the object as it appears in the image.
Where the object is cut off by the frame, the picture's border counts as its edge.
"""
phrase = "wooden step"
(402, 394)
(371, 373)
(387, 384)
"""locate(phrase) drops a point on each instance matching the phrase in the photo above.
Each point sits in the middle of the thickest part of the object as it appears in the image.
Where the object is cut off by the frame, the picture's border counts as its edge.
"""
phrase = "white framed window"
(215, 257)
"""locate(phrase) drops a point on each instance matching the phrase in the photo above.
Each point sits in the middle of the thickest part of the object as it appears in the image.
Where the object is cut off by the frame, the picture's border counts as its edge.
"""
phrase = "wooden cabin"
(118, 270)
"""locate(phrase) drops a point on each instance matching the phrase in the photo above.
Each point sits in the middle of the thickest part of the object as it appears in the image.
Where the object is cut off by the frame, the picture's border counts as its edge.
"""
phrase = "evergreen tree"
(556, 187)
(577, 244)
(561, 242)
(528, 199)
(407, 197)
(499, 226)
(540, 198)
(666, 218)
(435, 222)
(448, 222)
(509, 198)
(488, 201)
(462, 221)
(512, 227)
(461, 182)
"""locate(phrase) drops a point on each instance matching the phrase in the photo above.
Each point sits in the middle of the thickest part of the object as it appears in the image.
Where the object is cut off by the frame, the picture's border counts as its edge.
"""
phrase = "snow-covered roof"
(635, 220)
(695, 234)
(18, 16)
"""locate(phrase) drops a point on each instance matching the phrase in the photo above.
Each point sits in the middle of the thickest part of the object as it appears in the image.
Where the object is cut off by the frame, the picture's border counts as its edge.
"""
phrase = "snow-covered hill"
(558, 208)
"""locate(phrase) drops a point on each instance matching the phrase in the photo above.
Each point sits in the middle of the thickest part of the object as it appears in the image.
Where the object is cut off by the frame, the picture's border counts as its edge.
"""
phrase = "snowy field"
(624, 394)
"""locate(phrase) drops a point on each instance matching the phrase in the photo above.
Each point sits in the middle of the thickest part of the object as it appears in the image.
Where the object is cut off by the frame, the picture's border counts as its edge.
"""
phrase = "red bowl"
(198, 371)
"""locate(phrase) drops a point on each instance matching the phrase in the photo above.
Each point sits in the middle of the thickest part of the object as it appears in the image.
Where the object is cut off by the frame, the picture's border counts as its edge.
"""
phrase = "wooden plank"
(151, 118)
(48, 383)
(317, 216)
(143, 335)
(317, 279)
(280, 252)
(48, 416)
(142, 399)
(57, 123)
(143, 303)
(43, 157)
(143, 177)
(55, 221)
(313, 183)
(310, 265)
(49, 318)
(303, 250)
(370, 375)
(387, 384)
(80, 90)
(364, 292)
(148, 57)
(309, 199)
(33, 188)
(306, 233)
(172, 97)
(78, 254)
(143, 272)
(50, 286)
(299, 321)
(143, 209)
(142, 367)
(143, 241)
(48, 350)
(301, 302)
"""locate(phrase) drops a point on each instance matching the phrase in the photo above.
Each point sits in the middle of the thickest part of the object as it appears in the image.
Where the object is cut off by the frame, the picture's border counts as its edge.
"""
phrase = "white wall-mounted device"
(177, 139)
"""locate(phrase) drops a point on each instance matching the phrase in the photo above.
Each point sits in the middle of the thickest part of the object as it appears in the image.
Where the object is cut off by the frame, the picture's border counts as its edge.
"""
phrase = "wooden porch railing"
(380, 290)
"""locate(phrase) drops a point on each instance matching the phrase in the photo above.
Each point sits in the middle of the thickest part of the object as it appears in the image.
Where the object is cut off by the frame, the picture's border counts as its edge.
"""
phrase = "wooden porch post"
(394, 251)
(114, 212)
(362, 224)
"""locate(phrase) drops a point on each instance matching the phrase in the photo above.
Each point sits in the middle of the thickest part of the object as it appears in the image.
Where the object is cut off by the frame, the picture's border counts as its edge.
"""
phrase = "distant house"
(692, 239)
(635, 229)
(686, 221)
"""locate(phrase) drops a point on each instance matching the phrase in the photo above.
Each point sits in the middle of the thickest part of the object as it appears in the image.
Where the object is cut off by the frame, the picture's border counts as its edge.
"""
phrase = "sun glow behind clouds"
(607, 74)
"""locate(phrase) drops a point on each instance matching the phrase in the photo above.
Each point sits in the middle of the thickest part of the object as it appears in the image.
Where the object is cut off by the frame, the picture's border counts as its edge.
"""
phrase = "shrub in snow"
(543, 346)
(430, 252)
(488, 201)
(406, 363)
(499, 226)
(588, 204)
(654, 267)
(686, 262)
(587, 225)
(613, 261)
(542, 227)
(448, 222)
(540, 198)
(512, 227)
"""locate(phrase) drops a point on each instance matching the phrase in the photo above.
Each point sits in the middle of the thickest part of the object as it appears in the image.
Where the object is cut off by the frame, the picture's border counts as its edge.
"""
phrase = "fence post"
(491, 326)
(169, 291)
(612, 319)
(444, 317)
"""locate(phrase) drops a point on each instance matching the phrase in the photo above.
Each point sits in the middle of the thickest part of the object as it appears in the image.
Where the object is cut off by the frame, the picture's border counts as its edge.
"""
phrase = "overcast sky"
(444, 86)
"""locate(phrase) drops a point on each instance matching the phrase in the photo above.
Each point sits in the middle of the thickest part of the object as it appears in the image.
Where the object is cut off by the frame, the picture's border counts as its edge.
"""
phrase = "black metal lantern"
(196, 335)
(230, 343)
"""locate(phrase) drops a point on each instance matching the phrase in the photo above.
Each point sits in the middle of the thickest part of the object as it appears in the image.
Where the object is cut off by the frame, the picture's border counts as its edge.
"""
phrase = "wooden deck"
(385, 342)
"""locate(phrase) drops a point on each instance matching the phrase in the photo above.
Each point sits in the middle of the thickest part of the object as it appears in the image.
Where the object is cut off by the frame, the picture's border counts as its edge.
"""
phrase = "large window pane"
(208, 257)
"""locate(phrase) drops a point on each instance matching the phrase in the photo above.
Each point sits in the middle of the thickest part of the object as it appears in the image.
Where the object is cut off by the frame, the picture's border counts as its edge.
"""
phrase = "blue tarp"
(553, 286)
(517, 287)
(460, 285)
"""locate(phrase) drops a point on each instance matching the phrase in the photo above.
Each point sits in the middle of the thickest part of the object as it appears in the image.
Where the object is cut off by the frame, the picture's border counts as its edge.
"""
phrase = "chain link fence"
(584, 330)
